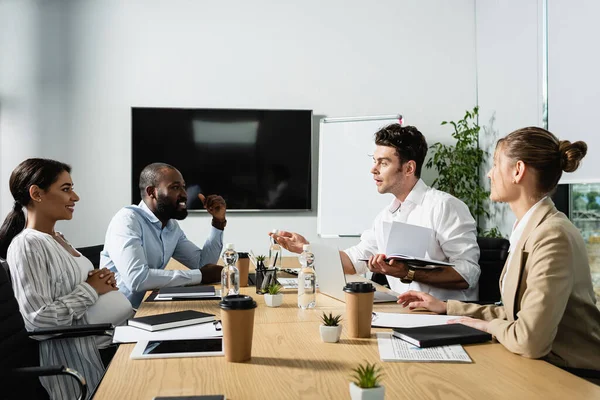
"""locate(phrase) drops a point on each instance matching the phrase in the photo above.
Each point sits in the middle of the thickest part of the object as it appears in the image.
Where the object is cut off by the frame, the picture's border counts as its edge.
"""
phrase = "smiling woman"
(54, 284)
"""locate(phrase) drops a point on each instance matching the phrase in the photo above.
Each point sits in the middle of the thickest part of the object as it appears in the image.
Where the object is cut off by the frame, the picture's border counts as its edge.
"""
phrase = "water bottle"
(307, 279)
(274, 252)
(230, 275)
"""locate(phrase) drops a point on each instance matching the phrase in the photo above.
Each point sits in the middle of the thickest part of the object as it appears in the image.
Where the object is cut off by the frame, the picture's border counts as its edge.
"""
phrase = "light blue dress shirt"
(137, 249)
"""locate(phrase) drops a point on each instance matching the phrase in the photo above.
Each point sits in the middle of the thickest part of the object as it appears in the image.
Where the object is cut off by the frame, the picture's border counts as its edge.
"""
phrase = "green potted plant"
(331, 329)
(458, 168)
(366, 384)
(273, 297)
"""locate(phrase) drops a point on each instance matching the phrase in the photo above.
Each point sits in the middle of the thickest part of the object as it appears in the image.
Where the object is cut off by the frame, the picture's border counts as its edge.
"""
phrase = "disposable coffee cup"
(359, 308)
(237, 319)
(243, 265)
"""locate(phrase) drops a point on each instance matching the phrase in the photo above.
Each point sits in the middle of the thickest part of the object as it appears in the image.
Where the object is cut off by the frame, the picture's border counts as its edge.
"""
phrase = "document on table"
(394, 349)
(397, 320)
(131, 334)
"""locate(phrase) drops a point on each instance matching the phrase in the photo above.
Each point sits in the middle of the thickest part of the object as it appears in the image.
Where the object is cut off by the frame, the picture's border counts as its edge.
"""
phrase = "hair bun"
(571, 154)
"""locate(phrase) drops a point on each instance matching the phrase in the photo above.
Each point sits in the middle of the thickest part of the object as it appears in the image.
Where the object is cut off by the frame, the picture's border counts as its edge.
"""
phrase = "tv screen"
(255, 159)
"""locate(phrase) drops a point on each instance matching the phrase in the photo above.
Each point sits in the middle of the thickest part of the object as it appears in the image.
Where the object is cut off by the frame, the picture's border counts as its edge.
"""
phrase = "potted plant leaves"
(366, 384)
(273, 297)
(331, 329)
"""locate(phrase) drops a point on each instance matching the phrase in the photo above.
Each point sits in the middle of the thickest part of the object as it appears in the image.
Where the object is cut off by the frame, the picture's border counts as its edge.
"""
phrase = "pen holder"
(265, 278)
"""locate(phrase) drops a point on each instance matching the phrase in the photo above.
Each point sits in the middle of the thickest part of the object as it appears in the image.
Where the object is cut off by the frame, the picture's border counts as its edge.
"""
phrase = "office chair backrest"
(4, 266)
(493, 255)
(16, 348)
(92, 253)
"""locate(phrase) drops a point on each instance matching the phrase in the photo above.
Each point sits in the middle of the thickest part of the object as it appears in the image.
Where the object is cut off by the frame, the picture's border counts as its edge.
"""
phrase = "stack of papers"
(394, 349)
(397, 320)
(130, 334)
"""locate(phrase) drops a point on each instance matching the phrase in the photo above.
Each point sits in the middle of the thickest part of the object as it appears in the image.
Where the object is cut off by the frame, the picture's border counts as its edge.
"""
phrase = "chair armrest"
(53, 370)
(62, 332)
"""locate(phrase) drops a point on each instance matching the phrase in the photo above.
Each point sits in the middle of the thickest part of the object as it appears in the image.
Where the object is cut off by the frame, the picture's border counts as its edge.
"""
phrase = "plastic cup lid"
(237, 302)
(359, 287)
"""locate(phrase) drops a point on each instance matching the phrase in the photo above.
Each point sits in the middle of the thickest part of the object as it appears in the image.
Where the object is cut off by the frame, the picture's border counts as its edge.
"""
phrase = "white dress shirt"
(516, 234)
(455, 239)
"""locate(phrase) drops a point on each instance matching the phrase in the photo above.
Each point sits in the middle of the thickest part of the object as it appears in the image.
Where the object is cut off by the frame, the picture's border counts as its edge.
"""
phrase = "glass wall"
(584, 212)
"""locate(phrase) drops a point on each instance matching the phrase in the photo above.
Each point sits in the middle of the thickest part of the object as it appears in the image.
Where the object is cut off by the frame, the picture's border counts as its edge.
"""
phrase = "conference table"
(289, 361)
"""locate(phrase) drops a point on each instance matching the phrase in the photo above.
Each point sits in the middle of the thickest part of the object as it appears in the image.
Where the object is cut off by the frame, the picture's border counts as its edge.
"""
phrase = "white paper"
(396, 320)
(288, 283)
(393, 349)
(131, 334)
(408, 239)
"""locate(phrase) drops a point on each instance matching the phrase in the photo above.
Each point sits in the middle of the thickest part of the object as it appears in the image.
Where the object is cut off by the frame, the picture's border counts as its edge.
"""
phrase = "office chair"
(20, 355)
(92, 253)
(492, 256)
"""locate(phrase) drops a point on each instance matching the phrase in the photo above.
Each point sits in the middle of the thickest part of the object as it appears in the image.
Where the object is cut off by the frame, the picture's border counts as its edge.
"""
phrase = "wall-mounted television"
(255, 159)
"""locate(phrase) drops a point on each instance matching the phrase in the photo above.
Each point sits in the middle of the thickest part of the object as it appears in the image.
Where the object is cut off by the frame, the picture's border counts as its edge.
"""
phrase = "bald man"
(140, 240)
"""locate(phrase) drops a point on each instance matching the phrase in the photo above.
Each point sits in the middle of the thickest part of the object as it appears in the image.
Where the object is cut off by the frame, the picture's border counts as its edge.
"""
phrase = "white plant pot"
(330, 334)
(273, 300)
(357, 393)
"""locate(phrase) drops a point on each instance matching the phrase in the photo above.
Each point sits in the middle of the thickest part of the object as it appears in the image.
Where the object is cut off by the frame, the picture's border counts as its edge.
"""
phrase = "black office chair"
(92, 253)
(20, 354)
(493, 255)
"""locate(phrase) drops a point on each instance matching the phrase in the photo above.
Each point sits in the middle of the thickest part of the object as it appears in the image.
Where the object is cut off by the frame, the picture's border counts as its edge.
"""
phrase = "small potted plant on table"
(331, 328)
(273, 297)
(366, 384)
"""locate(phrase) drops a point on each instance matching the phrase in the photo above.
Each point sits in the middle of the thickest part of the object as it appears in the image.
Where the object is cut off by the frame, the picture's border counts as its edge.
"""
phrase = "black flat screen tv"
(255, 159)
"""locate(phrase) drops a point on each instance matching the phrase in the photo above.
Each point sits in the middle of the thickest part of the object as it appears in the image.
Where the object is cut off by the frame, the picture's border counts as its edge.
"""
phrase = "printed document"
(394, 349)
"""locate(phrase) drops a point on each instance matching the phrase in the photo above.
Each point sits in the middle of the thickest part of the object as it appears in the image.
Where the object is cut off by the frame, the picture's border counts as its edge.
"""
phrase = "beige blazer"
(549, 306)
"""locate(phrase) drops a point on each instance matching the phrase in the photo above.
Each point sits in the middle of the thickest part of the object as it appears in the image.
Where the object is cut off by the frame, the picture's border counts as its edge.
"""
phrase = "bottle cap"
(229, 246)
(275, 231)
(306, 247)
(237, 302)
(359, 287)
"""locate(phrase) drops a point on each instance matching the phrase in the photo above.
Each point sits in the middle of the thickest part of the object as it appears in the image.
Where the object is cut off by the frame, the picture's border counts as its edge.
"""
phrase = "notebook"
(186, 291)
(441, 335)
(171, 320)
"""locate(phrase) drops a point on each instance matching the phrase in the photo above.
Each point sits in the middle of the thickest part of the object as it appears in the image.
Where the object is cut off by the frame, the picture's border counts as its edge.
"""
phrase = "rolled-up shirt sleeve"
(456, 234)
(125, 246)
(194, 257)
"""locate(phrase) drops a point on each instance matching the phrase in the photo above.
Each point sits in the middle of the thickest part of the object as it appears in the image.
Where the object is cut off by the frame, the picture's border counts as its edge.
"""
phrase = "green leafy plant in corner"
(330, 320)
(458, 168)
(274, 289)
(261, 258)
(367, 376)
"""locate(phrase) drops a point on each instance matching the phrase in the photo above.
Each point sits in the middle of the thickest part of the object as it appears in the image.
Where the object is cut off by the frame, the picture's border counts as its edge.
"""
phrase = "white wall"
(339, 58)
(509, 78)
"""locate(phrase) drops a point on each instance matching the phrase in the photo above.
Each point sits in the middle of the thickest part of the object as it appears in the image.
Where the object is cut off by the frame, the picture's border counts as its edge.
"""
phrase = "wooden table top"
(289, 360)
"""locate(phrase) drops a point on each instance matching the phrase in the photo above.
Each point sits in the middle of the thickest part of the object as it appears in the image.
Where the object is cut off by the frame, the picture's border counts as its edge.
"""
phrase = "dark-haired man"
(140, 240)
(398, 159)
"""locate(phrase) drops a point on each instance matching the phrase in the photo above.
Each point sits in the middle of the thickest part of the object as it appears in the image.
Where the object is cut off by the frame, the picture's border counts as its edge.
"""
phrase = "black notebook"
(171, 320)
(441, 335)
(186, 291)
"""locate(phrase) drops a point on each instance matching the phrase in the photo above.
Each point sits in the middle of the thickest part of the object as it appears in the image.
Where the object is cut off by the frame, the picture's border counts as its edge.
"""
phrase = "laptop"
(331, 277)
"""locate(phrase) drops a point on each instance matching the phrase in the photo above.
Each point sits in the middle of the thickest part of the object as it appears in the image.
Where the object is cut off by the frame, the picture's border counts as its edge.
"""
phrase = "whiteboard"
(348, 198)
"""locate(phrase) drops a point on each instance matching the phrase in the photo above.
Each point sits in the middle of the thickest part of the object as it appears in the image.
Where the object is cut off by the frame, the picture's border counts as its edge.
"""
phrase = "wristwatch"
(409, 276)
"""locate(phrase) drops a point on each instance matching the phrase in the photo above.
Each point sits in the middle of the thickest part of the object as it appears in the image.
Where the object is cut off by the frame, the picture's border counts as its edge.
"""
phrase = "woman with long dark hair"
(548, 303)
(53, 283)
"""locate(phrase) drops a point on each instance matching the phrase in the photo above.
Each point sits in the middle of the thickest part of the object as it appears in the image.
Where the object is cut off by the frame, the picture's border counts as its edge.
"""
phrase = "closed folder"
(441, 335)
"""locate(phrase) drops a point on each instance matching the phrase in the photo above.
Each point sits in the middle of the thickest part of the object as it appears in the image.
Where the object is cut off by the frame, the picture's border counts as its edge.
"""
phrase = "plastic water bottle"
(230, 275)
(274, 252)
(307, 279)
